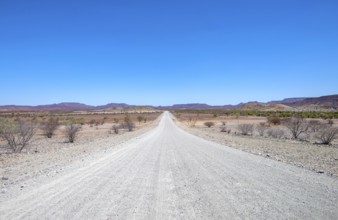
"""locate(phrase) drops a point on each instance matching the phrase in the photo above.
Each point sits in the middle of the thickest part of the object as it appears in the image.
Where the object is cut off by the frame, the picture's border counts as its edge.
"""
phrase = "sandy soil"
(168, 173)
(318, 158)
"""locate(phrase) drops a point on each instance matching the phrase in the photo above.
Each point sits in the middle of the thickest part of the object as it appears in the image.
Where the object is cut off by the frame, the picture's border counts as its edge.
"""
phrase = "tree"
(16, 134)
(297, 126)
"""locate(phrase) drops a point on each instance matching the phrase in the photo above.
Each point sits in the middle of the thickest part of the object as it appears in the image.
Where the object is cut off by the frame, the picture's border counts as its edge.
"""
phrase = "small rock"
(268, 155)
(320, 171)
(4, 178)
(3, 191)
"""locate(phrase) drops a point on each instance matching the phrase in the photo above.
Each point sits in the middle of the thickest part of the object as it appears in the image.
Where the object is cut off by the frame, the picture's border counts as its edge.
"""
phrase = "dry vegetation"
(306, 142)
(20, 130)
(49, 142)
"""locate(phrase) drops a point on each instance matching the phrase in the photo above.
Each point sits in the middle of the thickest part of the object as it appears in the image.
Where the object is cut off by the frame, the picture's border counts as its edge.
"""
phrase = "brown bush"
(209, 124)
(275, 120)
(139, 118)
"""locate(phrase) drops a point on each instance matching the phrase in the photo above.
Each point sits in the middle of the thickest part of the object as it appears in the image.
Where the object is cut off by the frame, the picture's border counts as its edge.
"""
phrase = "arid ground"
(160, 171)
(302, 153)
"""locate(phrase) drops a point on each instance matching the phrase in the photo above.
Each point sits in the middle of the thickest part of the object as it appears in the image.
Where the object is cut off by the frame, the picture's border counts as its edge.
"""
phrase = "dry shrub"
(316, 125)
(140, 119)
(71, 132)
(297, 126)
(128, 123)
(209, 124)
(17, 134)
(116, 128)
(275, 120)
(275, 133)
(328, 135)
(245, 129)
(50, 127)
(261, 128)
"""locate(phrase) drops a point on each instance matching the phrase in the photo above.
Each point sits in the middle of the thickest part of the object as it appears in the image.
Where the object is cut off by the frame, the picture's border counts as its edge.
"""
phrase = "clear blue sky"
(166, 52)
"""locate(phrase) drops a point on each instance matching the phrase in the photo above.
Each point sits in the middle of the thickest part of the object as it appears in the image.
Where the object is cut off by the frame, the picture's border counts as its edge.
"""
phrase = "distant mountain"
(114, 106)
(288, 104)
(265, 107)
(64, 106)
(317, 103)
(330, 101)
(200, 106)
(286, 101)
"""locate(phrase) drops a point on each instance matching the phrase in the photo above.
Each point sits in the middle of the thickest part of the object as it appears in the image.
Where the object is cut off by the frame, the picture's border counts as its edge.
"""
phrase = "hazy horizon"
(164, 53)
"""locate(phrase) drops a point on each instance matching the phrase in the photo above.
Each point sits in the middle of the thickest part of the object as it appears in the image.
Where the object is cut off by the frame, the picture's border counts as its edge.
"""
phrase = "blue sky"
(167, 52)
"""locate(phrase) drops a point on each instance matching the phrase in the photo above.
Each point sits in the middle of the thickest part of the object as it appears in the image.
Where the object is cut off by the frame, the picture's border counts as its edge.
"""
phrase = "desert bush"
(139, 119)
(50, 127)
(209, 124)
(328, 135)
(115, 128)
(245, 129)
(297, 126)
(275, 132)
(128, 123)
(116, 120)
(330, 122)
(71, 131)
(17, 134)
(261, 128)
(274, 119)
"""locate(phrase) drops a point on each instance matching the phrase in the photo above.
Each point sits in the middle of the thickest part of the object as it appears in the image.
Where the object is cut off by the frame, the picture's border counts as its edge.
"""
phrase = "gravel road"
(168, 173)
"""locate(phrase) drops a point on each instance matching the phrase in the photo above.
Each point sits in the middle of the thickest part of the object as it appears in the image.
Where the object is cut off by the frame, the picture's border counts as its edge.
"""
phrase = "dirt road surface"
(168, 173)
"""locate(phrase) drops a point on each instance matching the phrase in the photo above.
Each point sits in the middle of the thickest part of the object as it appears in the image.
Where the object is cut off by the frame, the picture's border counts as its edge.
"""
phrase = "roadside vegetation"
(273, 115)
(19, 129)
(17, 134)
(307, 142)
(301, 126)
